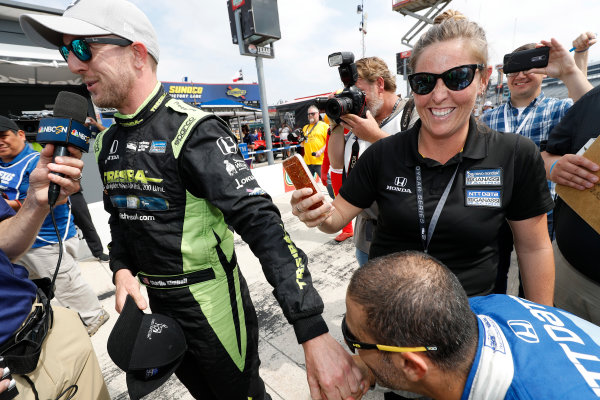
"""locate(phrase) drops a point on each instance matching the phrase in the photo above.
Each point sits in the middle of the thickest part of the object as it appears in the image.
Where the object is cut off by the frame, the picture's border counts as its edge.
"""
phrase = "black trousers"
(208, 370)
(83, 219)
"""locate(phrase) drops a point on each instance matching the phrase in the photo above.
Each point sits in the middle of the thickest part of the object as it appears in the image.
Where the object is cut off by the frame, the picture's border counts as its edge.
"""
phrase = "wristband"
(553, 164)
(582, 51)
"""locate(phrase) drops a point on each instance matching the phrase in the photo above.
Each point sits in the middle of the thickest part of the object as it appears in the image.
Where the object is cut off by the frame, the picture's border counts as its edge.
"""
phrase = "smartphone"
(300, 175)
(526, 59)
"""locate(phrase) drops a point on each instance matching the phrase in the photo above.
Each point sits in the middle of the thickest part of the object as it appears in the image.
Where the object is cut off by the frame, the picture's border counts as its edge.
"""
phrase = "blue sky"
(195, 39)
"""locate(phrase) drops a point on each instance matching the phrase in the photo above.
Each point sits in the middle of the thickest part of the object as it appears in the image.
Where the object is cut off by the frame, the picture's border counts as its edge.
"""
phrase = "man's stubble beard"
(115, 91)
(374, 104)
(386, 376)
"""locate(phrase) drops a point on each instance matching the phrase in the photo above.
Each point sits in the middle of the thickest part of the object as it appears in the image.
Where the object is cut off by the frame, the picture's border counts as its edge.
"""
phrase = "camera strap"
(392, 114)
(407, 111)
(353, 155)
(427, 234)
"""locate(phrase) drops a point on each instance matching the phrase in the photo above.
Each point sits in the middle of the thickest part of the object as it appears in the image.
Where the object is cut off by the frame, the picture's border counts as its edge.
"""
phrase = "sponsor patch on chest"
(483, 198)
(158, 146)
(484, 177)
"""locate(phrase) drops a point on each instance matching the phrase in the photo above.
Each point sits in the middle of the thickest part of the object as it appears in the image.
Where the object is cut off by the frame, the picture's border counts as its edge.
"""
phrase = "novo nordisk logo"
(524, 331)
(400, 181)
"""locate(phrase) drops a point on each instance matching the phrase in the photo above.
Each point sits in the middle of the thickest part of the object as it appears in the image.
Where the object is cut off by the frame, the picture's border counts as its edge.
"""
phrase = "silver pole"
(405, 77)
(265, 108)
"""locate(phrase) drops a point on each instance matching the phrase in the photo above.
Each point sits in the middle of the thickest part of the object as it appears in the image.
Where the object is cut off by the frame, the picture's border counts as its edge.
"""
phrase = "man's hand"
(127, 284)
(575, 171)
(562, 66)
(364, 370)
(560, 62)
(41, 176)
(584, 41)
(331, 373)
(364, 128)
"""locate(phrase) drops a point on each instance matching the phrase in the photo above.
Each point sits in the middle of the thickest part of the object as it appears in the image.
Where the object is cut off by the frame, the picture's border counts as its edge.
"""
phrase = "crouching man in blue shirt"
(415, 330)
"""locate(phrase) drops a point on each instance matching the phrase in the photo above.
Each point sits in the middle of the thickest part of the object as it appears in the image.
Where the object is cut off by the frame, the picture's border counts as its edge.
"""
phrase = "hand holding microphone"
(67, 128)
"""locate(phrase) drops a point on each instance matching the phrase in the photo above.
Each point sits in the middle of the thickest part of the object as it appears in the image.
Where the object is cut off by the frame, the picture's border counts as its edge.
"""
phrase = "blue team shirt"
(17, 292)
(14, 181)
(530, 351)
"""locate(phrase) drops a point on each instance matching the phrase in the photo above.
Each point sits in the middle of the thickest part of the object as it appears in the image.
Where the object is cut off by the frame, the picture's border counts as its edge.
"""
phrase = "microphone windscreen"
(71, 105)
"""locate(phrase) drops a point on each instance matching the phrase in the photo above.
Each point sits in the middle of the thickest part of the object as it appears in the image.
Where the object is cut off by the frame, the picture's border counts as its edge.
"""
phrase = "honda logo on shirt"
(227, 145)
(400, 181)
(524, 331)
(114, 147)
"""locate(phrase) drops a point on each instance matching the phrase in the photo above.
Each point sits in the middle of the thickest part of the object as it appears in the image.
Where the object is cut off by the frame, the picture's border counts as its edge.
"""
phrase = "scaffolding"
(411, 7)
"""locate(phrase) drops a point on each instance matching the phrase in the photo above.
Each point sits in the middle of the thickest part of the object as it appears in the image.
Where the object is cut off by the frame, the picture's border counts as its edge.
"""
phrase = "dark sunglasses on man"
(455, 79)
(81, 47)
(354, 344)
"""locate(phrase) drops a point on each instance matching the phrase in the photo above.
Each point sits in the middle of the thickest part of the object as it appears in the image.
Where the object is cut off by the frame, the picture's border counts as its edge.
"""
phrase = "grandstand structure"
(410, 8)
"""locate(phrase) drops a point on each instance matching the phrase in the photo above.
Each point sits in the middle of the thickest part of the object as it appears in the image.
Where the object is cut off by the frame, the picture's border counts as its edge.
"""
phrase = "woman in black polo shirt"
(446, 185)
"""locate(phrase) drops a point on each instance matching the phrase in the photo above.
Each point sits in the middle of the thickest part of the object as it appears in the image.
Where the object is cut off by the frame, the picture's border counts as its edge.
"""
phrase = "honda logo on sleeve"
(227, 145)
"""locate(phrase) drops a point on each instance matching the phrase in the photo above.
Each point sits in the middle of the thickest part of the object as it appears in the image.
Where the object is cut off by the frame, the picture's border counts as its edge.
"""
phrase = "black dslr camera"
(351, 100)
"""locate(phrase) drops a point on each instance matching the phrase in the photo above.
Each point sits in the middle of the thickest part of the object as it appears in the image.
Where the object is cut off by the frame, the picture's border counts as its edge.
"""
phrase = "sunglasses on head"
(354, 344)
(81, 47)
(455, 79)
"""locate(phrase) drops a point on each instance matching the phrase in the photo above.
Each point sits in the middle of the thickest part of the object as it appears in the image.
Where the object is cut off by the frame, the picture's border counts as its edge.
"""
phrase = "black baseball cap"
(148, 347)
(7, 123)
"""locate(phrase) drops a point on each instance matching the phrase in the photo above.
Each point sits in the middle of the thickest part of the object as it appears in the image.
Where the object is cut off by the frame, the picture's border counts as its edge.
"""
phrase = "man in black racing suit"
(173, 182)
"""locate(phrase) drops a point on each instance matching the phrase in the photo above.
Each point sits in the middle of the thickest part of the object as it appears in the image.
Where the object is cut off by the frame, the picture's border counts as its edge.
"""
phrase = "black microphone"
(67, 128)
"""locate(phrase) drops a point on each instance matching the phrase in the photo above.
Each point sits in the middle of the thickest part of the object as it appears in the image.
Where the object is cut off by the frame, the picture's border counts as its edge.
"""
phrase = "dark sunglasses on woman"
(81, 47)
(455, 79)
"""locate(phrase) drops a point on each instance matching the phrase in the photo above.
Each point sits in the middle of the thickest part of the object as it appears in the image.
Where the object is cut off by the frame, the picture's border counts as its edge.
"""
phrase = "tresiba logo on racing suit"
(128, 175)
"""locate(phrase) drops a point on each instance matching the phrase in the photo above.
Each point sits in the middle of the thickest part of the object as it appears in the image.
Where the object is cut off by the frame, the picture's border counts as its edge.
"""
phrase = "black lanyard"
(427, 234)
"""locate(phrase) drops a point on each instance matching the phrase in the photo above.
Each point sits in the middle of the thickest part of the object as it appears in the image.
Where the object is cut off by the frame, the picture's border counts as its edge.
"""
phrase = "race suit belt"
(176, 281)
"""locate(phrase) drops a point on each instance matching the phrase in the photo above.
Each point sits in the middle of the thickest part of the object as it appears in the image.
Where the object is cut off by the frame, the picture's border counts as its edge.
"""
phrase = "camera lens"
(338, 106)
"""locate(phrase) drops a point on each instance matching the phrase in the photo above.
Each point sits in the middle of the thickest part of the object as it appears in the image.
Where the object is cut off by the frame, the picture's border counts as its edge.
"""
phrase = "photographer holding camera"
(315, 138)
(386, 114)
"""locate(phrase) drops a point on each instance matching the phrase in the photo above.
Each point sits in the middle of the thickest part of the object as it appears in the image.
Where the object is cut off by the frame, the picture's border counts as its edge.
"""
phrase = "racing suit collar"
(145, 110)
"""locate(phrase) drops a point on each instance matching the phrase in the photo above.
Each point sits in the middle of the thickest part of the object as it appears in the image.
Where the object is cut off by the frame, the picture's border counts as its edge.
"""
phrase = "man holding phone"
(530, 113)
